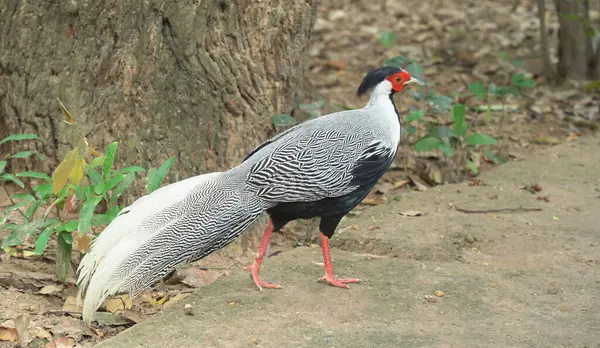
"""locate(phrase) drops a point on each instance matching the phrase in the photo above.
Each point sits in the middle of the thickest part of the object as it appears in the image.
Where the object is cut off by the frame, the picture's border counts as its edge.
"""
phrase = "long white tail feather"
(125, 225)
(176, 226)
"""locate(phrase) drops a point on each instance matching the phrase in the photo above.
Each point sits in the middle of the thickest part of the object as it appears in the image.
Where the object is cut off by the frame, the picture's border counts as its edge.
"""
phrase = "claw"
(340, 283)
(260, 284)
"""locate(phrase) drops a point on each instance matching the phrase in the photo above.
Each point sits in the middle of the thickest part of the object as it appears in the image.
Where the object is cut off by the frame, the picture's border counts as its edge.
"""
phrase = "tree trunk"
(197, 80)
(576, 53)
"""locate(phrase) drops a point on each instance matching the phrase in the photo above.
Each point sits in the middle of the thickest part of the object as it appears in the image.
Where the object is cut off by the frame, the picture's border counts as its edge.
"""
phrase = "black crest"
(374, 77)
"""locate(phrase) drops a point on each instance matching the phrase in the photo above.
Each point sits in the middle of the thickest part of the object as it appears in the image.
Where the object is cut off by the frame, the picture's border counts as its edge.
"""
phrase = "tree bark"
(195, 79)
(576, 53)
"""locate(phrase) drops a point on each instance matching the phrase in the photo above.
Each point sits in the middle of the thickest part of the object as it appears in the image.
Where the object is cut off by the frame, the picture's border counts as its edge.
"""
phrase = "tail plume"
(176, 224)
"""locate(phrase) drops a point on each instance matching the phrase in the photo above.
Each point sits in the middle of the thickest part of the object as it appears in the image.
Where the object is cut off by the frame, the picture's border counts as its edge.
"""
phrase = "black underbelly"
(331, 206)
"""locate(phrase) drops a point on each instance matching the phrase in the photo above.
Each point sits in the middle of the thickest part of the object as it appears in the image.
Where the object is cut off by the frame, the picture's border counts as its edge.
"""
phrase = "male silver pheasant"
(320, 168)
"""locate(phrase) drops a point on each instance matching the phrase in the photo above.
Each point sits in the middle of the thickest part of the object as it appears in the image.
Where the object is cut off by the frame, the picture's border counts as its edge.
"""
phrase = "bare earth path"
(518, 279)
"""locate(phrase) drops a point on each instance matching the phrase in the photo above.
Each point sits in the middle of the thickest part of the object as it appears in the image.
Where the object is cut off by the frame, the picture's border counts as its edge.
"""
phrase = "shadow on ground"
(510, 278)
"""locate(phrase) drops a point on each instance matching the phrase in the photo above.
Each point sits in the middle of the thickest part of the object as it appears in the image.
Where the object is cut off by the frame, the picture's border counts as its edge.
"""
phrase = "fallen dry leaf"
(8, 334)
(41, 333)
(21, 325)
(111, 319)
(374, 200)
(439, 293)
(71, 305)
(417, 183)
(116, 303)
(50, 289)
(62, 342)
(336, 64)
(399, 184)
(134, 316)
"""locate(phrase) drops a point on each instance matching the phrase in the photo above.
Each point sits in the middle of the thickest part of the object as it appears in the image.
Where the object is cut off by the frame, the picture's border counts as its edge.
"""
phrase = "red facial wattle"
(398, 80)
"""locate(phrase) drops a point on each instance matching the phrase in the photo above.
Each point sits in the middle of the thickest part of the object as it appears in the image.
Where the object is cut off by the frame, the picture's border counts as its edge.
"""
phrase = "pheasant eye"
(397, 79)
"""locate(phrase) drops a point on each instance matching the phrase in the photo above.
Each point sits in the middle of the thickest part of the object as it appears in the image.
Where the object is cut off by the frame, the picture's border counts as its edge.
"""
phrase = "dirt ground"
(524, 274)
(510, 279)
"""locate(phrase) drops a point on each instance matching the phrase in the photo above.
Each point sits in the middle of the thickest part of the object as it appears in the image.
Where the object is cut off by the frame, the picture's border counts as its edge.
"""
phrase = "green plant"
(86, 179)
(455, 139)
(519, 81)
(387, 39)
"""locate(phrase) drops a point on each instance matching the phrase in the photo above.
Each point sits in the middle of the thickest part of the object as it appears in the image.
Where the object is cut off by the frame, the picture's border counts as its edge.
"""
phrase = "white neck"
(382, 90)
(382, 108)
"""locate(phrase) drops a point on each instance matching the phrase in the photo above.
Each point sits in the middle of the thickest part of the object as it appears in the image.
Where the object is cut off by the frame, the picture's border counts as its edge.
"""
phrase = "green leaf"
(517, 63)
(100, 188)
(96, 162)
(440, 103)
(105, 219)
(2, 166)
(504, 91)
(36, 175)
(15, 206)
(10, 177)
(156, 178)
(134, 169)
(109, 155)
(387, 39)
(460, 126)
(415, 115)
(94, 176)
(86, 213)
(43, 190)
(113, 182)
(495, 158)
(441, 132)
(22, 154)
(122, 186)
(411, 129)
(20, 232)
(479, 139)
(33, 208)
(68, 226)
(283, 120)
(42, 240)
(19, 137)
(23, 196)
(428, 144)
(446, 149)
(416, 70)
(12, 208)
(150, 175)
(63, 255)
(472, 167)
(522, 81)
(478, 89)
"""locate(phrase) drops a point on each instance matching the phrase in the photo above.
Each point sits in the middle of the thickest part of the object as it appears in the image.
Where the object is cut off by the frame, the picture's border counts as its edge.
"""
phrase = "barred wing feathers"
(312, 164)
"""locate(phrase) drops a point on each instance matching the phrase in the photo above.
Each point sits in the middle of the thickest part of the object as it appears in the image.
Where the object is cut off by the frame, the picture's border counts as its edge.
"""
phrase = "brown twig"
(13, 203)
(504, 210)
(61, 312)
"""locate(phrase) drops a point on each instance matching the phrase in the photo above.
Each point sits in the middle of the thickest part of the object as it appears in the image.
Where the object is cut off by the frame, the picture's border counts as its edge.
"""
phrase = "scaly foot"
(260, 284)
(340, 283)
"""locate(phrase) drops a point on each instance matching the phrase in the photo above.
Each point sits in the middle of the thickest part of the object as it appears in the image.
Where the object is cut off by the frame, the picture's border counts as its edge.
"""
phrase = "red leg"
(255, 267)
(329, 275)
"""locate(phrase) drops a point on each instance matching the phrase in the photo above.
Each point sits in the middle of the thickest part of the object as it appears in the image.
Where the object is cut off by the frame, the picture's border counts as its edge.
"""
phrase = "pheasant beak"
(412, 81)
